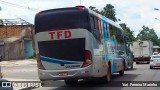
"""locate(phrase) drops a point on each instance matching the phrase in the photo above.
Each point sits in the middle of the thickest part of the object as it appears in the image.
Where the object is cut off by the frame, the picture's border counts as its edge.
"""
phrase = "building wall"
(16, 49)
(13, 50)
(10, 31)
(28, 41)
(29, 52)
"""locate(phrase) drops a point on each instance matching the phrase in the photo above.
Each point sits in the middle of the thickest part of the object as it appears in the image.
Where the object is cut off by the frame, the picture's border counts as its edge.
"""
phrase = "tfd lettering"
(59, 34)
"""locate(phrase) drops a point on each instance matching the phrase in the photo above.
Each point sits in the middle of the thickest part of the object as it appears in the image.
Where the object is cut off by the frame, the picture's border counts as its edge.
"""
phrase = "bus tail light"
(80, 7)
(88, 58)
(39, 63)
(39, 13)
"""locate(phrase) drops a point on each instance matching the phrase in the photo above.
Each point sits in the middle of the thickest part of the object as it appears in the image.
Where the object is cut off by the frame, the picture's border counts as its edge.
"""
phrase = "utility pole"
(157, 19)
(80, 2)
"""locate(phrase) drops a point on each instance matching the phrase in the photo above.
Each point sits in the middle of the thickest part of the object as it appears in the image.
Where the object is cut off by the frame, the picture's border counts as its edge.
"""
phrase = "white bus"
(76, 43)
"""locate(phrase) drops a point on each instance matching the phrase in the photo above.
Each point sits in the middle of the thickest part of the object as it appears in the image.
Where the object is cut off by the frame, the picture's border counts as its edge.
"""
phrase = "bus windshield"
(68, 18)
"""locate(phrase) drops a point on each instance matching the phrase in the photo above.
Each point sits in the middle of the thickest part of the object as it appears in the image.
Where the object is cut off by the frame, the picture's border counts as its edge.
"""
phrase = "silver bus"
(76, 43)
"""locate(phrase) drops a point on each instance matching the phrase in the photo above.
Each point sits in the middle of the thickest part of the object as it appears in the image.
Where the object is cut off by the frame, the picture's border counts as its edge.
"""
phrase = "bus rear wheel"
(132, 67)
(71, 82)
(108, 76)
(121, 73)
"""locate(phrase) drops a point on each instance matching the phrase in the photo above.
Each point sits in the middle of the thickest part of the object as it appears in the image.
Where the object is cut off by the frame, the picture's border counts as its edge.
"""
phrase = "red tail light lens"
(88, 59)
(39, 63)
(80, 7)
(39, 13)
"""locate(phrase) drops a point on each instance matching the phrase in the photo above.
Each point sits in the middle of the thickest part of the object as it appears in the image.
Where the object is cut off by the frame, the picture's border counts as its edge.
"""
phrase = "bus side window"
(122, 38)
(100, 26)
(118, 36)
(110, 30)
(105, 31)
(96, 23)
(96, 31)
(114, 30)
(94, 27)
(92, 22)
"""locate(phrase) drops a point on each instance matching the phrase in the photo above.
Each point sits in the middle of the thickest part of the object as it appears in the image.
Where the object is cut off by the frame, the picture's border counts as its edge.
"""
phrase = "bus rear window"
(66, 18)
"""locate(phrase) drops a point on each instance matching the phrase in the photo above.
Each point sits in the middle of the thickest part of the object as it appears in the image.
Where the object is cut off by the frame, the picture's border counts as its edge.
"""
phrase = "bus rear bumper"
(80, 73)
(142, 59)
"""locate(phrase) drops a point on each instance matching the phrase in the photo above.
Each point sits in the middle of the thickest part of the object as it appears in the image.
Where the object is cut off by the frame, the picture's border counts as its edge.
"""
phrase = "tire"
(137, 62)
(148, 62)
(108, 76)
(42, 83)
(151, 67)
(126, 68)
(132, 66)
(121, 73)
(71, 82)
(45, 83)
(0, 59)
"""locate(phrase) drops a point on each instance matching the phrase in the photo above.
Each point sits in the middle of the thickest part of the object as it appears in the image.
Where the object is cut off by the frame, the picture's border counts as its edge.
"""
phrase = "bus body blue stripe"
(56, 61)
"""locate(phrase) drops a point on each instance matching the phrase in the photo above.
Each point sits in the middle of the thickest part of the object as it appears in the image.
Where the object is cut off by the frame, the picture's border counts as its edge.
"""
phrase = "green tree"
(94, 9)
(159, 41)
(108, 11)
(128, 32)
(148, 34)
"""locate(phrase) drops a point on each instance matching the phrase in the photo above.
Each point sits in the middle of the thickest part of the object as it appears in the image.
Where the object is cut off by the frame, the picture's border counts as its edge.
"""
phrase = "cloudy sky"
(135, 13)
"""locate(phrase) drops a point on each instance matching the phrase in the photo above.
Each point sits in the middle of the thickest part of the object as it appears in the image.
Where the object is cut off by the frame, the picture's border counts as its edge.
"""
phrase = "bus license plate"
(63, 73)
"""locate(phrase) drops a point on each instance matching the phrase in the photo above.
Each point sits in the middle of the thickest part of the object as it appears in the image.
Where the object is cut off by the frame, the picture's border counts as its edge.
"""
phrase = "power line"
(16, 5)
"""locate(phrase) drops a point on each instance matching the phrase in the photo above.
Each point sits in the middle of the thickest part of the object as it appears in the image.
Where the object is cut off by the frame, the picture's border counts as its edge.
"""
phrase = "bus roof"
(105, 19)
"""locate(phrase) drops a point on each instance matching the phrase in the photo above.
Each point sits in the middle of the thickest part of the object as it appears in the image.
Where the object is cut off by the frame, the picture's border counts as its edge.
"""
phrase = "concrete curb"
(18, 62)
